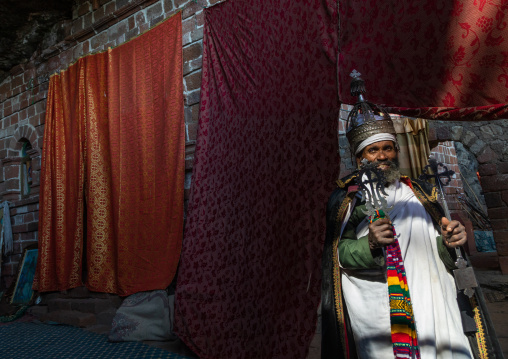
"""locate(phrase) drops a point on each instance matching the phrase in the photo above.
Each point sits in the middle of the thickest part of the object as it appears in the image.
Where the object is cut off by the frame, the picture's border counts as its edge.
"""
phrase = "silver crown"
(365, 119)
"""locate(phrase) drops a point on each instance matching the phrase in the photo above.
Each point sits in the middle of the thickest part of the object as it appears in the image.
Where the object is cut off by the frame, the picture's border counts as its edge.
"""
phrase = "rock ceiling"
(24, 26)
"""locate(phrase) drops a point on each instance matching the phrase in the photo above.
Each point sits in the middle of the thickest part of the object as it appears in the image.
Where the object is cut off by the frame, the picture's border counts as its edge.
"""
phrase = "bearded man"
(357, 312)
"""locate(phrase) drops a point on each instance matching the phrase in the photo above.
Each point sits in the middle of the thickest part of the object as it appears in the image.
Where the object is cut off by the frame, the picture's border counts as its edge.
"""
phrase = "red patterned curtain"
(265, 163)
(434, 59)
(114, 139)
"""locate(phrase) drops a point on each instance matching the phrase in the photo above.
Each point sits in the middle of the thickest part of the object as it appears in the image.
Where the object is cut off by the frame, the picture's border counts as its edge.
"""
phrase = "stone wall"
(486, 141)
(95, 26)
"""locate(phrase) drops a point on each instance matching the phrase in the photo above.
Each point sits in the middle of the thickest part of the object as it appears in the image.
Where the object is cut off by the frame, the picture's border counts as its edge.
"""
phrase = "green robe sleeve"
(446, 254)
(355, 253)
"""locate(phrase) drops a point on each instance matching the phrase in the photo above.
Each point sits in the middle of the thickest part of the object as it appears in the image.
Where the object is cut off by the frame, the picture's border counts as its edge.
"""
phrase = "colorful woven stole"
(404, 338)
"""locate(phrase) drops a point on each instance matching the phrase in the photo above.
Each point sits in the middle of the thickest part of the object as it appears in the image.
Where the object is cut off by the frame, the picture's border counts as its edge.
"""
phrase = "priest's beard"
(391, 173)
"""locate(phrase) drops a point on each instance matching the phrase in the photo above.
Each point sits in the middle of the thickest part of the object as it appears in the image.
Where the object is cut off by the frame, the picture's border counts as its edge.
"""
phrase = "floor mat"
(42, 341)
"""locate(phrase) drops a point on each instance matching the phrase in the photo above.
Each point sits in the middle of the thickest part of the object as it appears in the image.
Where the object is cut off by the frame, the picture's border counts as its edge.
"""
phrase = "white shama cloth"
(373, 139)
(431, 287)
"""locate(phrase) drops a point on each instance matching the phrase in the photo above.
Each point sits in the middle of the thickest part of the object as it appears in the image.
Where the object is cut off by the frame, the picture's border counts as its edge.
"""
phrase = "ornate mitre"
(365, 119)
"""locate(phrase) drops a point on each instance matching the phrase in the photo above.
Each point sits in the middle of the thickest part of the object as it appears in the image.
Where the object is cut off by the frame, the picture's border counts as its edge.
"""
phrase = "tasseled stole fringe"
(404, 338)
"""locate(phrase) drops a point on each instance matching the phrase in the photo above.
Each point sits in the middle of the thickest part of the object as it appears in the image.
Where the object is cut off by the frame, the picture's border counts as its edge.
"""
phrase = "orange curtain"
(114, 148)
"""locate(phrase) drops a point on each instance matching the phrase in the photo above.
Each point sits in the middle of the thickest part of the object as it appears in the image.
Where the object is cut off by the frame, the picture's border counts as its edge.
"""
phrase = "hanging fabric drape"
(413, 139)
(62, 182)
(452, 65)
(265, 163)
(114, 150)
(6, 234)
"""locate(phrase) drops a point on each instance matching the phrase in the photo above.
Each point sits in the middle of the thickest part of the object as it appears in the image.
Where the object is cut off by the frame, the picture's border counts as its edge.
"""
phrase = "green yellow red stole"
(403, 328)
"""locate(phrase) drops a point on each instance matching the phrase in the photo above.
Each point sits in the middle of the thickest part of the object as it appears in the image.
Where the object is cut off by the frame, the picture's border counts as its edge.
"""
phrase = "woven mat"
(21, 316)
(42, 341)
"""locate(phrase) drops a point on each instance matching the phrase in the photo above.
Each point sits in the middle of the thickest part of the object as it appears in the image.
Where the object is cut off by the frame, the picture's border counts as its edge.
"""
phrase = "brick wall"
(444, 153)
(95, 26)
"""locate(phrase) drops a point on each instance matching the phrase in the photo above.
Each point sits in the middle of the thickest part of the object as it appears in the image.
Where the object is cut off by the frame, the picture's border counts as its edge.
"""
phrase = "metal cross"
(355, 74)
(464, 275)
(444, 177)
(372, 182)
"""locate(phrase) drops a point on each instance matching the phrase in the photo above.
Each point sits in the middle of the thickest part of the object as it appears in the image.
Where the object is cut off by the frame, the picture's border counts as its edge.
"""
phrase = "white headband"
(373, 139)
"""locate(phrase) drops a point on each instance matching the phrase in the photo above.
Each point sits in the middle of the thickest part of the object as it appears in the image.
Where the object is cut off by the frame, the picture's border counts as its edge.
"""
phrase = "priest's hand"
(453, 233)
(380, 233)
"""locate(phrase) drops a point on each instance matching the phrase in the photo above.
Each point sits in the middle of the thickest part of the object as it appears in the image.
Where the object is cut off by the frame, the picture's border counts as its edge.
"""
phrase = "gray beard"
(392, 173)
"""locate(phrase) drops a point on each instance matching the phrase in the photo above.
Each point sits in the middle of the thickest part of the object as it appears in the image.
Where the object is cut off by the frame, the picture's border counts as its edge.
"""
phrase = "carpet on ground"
(42, 341)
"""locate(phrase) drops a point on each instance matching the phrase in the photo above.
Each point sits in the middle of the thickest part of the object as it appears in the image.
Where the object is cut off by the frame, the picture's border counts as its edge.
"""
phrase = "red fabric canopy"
(265, 164)
(435, 59)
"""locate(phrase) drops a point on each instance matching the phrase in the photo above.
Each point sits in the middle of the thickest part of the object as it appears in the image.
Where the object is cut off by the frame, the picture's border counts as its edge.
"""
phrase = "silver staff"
(464, 274)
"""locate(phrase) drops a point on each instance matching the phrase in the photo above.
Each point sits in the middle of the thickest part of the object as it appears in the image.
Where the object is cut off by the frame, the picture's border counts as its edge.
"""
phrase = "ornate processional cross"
(372, 182)
(464, 275)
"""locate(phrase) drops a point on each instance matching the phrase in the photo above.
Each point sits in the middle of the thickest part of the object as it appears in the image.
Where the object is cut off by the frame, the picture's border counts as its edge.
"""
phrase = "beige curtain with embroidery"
(413, 138)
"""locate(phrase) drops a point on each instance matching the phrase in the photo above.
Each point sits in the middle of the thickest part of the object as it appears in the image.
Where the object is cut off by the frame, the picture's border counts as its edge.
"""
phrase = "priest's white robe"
(431, 287)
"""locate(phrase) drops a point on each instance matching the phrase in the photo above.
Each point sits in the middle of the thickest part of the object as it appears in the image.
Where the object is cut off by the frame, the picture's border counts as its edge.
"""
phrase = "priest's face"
(382, 151)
